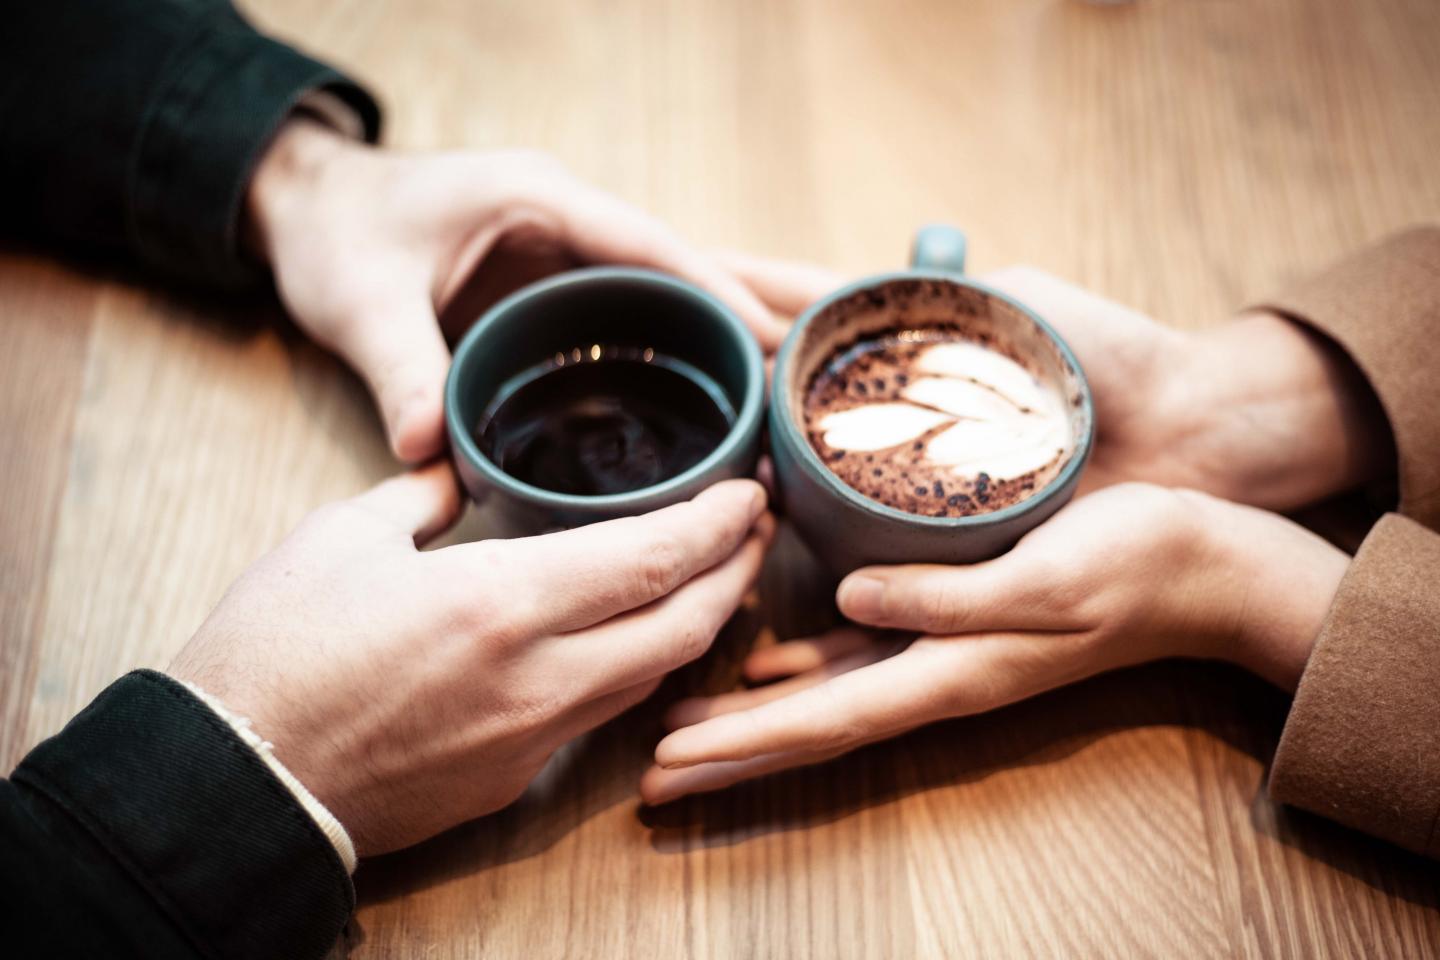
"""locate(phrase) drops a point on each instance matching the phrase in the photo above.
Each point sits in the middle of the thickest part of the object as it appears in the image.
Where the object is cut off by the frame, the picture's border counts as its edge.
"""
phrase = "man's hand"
(1128, 574)
(368, 245)
(411, 691)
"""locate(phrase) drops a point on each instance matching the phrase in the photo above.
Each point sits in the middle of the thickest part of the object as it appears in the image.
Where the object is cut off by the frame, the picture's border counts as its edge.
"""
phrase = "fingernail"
(861, 598)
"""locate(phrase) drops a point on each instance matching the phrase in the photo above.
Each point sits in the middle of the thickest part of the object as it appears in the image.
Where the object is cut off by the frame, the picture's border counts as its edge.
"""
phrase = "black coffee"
(602, 420)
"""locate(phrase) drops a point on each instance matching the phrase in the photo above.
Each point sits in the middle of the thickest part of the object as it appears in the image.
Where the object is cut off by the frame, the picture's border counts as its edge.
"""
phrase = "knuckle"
(536, 707)
(941, 606)
(493, 623)
(481, 603)
(658, 566)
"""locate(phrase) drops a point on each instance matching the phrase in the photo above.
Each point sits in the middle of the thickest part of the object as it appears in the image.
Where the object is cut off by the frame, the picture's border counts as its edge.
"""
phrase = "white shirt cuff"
(323, 818)
(334, 111)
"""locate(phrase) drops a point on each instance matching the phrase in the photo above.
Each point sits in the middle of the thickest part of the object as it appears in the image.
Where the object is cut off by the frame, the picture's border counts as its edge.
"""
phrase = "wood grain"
(1184, 157)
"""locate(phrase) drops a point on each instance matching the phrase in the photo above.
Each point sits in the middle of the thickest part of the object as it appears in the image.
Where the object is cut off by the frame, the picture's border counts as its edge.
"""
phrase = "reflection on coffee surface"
(604, 419)
(934, 422)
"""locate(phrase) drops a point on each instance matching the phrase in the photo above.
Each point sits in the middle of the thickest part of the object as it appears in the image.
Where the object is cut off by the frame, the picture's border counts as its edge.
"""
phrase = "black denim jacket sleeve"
(132, 127)
(147, 828)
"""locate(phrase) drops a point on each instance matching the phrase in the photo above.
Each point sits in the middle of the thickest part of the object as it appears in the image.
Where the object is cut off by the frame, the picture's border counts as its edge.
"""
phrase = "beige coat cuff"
(1362, 743)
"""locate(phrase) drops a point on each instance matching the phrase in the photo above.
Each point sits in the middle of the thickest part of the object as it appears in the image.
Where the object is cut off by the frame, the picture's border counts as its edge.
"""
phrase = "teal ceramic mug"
(846, 529)
(568, 316)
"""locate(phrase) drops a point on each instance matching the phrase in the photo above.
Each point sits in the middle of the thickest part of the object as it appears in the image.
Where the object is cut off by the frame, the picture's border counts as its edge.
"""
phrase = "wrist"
(1268, 583)
(324, 820)
(1268, 412)
(287, 173)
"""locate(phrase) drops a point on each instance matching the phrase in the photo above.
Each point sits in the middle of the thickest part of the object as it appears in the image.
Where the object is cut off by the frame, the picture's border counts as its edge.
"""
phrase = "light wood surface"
(1184, 157)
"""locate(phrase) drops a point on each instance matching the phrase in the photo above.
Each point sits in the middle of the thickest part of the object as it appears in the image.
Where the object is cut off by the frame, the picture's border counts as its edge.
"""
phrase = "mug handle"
(938, 246)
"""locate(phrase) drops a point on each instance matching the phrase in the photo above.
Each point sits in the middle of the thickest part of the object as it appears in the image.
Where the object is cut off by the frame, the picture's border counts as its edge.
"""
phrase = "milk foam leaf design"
(879, 426)
(1002, 450)
(970, 361)
(960, 398)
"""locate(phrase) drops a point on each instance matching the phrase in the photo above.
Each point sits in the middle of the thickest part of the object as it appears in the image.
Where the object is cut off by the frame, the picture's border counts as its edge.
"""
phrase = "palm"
(1125, 356)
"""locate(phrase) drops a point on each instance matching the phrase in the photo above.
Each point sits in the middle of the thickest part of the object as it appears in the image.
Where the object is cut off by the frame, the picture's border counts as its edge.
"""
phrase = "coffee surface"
(933, 422)
(604, 420)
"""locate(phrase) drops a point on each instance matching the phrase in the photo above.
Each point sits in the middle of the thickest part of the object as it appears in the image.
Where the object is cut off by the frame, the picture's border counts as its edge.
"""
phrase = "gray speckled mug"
(609, 305)
(846, 529)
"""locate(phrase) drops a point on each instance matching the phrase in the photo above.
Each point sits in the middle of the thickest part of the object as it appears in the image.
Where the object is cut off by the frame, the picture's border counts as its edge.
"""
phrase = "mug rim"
(746, 417)
(810, 460)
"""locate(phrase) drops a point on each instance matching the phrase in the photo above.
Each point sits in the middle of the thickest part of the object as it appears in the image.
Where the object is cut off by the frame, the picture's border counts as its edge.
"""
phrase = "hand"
(412, 691)
(1125, 575)
(1259, 410)
(367, 245)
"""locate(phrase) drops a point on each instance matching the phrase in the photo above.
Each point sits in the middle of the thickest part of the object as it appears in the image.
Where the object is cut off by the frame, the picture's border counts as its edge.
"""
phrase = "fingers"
(422, 503)
(696, 709)
(786, 287)
(399, 350)
(602, 228)
(797, 656)
(932, 679)
(584, 576)
(659, 785)
(1001, 594)
(658, 638)
(890, 695)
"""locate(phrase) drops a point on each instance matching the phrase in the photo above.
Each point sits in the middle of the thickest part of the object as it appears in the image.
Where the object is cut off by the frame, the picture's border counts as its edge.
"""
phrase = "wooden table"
(1184, 157)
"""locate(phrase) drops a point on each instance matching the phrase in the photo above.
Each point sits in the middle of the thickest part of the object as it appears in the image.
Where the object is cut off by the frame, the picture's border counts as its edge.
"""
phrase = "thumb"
(998, 594)
(422, 503)
(396, 345)
(786, 287)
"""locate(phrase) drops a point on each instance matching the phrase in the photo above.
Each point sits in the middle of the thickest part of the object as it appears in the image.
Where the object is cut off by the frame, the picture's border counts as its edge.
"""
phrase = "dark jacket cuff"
(1362, 742)
(226, 94)
(196, 818)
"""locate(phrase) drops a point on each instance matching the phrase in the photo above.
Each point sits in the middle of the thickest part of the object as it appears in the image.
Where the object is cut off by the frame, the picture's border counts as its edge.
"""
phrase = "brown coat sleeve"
(1362, 743)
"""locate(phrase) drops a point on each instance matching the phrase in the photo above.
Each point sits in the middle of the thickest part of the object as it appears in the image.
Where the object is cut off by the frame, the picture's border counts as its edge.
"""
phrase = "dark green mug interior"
(602, 306)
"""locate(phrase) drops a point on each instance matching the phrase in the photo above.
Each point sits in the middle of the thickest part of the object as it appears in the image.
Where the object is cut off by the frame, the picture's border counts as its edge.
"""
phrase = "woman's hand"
(1125, 575)
(411, 691)
(368, 245)
(1258, 410)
